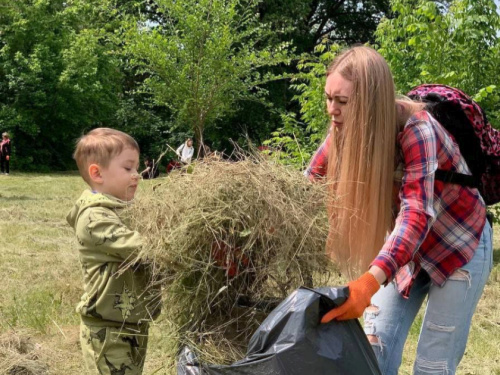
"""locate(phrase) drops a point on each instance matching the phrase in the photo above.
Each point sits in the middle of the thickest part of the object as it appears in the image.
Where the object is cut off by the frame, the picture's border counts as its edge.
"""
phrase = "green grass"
(41, 282)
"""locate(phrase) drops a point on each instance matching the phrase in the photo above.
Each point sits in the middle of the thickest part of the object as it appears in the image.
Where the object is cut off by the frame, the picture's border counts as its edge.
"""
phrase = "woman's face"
(338, 92)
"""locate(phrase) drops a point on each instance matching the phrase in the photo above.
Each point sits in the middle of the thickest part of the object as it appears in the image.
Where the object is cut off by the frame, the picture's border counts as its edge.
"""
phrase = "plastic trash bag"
(292, 341)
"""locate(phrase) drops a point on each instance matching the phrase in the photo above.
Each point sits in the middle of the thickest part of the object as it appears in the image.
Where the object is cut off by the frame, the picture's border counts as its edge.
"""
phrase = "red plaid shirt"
(438, 225)
(319, 163)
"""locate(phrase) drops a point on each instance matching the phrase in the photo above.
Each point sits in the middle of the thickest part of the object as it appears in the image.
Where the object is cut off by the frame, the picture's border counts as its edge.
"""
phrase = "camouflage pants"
(111, 350)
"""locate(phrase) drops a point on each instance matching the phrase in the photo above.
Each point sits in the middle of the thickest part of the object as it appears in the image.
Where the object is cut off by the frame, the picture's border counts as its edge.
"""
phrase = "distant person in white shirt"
(186, 151)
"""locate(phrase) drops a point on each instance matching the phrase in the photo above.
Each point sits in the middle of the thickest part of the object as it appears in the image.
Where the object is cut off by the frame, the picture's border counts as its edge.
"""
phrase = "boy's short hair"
(99, 146)
(5, 134)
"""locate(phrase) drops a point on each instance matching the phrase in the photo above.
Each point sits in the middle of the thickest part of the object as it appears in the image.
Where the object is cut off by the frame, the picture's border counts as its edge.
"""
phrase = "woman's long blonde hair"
(361, 162)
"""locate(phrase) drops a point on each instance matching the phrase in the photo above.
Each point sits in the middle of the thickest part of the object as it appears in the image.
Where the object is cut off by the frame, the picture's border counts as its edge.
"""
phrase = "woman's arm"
(179, 150)
(414, 220)
(145, 171)
(416, 214)
(379, 274)
(318, 166)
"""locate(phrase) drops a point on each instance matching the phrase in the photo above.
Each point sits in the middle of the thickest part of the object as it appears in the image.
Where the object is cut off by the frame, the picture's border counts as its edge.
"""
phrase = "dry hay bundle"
(231, 234)
(19, 355)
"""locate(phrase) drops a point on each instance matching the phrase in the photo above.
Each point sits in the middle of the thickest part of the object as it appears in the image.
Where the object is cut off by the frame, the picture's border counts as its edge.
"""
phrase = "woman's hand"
(361, 292)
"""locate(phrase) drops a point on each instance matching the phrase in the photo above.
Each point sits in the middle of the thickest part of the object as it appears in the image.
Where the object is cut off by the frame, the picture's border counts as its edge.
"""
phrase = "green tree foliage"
(212, 69)
(295, 142)
(202, 58)
(203, 67)
(57, 77)
(307, 22)
(456, 45)
(302, 23)
(452, 42)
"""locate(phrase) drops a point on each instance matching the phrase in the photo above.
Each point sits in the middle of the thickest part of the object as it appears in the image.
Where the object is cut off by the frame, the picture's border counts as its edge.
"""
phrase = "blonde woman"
(393, 223)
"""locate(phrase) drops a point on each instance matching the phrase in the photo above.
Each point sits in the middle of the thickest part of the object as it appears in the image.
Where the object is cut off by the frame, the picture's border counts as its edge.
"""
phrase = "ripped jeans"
(448, 314)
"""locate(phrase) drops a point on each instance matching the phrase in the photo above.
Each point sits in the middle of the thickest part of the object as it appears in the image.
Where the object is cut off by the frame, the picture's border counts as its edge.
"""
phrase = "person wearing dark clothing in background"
(151, 170)
(5, 153)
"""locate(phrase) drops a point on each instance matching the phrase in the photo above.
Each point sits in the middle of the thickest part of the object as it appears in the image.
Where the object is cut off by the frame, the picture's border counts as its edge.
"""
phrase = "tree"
(300, 135)
(304, 24)
(202, 58)
(58, 76)
(454, 44)
(308, 22)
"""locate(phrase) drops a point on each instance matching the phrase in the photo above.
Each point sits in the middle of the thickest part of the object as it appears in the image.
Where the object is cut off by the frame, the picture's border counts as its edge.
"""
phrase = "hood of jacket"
(93, 199)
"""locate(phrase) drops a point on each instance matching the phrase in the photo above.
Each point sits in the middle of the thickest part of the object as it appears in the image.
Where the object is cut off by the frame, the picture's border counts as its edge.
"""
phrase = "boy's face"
(120, 178)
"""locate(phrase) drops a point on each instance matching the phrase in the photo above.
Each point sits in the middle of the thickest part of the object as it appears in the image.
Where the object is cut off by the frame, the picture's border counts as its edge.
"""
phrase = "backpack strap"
(456, 178)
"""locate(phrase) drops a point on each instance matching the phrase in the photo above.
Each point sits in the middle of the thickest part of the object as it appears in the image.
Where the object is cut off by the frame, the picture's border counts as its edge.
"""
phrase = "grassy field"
(41, 284)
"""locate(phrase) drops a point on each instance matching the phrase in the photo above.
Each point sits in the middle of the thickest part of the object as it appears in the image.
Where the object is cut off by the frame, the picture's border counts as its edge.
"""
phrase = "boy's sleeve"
(101, 230)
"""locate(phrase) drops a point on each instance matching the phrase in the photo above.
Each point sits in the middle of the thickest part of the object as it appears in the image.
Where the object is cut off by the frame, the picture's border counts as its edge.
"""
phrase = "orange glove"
(361, 292)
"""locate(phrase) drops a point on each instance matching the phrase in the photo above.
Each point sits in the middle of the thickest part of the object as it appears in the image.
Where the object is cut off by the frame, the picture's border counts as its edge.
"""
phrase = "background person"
(5, 151)
(380, 159)
(185, 151)
(151, 171)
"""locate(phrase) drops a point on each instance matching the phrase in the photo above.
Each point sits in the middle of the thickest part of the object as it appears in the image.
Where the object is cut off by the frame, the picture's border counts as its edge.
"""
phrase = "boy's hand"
(361, 292)
(7, 157)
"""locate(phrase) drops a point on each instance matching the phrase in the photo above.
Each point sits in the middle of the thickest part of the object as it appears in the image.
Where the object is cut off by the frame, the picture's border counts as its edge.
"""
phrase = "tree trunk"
(198, 133)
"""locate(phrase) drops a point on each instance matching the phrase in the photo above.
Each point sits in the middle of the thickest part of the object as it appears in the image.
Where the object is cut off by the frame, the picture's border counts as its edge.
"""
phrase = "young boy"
(117, 305)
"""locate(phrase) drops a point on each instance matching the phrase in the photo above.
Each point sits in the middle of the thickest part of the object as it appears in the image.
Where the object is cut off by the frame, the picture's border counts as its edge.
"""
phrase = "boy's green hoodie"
(116, 291)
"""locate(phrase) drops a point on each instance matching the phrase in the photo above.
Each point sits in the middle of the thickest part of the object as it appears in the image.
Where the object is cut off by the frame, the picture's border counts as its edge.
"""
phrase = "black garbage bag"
(291, 341)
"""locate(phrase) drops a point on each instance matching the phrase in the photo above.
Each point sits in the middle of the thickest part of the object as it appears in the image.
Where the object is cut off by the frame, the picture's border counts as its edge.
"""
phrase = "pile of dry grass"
(19, 355)
(226, 235)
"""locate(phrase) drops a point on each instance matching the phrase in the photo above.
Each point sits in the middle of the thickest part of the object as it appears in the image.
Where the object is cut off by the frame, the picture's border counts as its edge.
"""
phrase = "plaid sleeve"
(319, 163)
(416, 215)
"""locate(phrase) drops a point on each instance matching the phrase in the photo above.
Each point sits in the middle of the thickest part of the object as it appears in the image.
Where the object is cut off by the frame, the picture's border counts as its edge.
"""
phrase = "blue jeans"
(448, 314)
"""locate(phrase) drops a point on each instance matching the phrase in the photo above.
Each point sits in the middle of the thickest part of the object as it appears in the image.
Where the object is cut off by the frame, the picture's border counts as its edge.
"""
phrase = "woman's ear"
(95, 173)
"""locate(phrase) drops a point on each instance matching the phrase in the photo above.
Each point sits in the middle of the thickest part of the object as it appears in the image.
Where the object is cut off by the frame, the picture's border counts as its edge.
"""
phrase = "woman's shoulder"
(419, 117)
(420, 121)
(420, 127)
